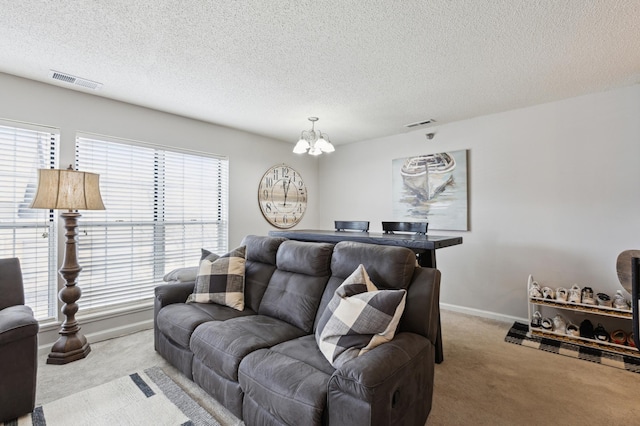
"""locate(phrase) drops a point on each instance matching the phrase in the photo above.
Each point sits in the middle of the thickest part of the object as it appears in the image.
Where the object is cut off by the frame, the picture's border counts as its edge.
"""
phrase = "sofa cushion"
(260, 265)
(178, 321)
(358, 318)
(221, 280)
(220, 346)
(389, 267)
(262, 249)
(287, 382)
(305, 349)
(296, 287)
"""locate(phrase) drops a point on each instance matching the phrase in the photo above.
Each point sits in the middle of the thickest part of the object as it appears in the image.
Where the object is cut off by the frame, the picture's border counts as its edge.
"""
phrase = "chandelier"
(313, 140)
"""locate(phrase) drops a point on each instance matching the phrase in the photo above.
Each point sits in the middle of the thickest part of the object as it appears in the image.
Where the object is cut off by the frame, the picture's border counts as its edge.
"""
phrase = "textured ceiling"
(366, 68)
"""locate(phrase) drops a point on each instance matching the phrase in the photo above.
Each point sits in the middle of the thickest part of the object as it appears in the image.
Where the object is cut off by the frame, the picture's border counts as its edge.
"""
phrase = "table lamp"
(69, 190)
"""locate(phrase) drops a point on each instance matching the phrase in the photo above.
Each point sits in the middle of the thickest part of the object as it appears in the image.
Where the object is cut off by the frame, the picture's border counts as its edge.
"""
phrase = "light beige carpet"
(482, 381)
(487, 381)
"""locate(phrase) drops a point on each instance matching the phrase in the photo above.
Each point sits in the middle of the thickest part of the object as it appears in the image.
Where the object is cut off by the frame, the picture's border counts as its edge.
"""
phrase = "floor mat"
(518, 335)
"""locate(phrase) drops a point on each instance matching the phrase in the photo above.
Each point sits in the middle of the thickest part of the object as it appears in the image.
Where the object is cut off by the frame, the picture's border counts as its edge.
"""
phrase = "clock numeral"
(269, 182)
(276, 174)
(284, 218)
(265, 194)
(285, 172)
(267, 207)
(301, 184)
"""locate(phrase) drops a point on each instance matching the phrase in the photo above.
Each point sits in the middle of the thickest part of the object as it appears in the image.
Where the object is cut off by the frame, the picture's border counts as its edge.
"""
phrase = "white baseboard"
(120, 331)
(107, 334)
(483, 314)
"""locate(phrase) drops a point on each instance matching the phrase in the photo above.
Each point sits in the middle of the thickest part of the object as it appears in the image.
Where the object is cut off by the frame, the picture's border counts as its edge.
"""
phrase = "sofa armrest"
(167, 294)
(390, 385)
(422, 310)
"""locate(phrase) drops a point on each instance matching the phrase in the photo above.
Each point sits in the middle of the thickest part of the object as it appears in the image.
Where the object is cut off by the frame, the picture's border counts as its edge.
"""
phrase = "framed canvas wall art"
(432, 187)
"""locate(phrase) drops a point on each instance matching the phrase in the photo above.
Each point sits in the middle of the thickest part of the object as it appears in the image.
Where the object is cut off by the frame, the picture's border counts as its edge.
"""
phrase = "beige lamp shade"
(67, 189)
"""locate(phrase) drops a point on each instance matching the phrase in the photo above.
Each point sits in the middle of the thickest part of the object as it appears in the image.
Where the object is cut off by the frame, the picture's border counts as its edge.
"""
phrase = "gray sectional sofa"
(263, 363)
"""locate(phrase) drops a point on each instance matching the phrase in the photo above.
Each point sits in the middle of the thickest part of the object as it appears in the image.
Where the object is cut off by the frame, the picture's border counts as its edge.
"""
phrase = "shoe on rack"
(621, 302)
(587, 296)
(572, 330)
(559, 324)
(601, 334)
(630, 340)
(536, 319)
(561, 294)
(603, 299)
(548, 293)
(619, 337)
(546, 324)
(575, 295)
(586, 329)
(534, 288)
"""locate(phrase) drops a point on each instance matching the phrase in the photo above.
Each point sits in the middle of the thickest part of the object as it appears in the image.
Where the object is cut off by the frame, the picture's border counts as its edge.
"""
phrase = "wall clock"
(282, 196)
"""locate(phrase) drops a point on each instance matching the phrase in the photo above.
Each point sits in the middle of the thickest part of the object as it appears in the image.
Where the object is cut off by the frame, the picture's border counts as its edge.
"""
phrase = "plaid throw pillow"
(358, 318)
(221, 280)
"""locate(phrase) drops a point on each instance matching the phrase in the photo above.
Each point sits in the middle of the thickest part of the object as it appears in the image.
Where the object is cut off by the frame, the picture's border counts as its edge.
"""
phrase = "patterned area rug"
(518, 335)
(144, 398)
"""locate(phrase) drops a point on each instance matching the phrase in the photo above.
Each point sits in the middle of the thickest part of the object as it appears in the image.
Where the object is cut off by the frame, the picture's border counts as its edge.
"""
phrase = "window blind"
(162, 207)
(29, 234)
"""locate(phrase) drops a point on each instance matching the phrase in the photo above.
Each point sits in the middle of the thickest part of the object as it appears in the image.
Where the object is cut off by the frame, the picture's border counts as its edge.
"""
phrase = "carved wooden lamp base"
(68, 349)
(71, 345)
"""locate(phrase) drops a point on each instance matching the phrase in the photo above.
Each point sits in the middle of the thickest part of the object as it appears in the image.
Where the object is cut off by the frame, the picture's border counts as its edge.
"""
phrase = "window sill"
(102, 314)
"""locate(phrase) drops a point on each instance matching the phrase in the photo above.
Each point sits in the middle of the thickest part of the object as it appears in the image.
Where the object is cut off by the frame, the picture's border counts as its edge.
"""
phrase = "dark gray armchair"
(18, 345)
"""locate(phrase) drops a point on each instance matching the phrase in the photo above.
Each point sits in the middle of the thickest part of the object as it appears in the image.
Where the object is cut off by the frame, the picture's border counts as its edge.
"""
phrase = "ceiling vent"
(420, 123)
(77, 81)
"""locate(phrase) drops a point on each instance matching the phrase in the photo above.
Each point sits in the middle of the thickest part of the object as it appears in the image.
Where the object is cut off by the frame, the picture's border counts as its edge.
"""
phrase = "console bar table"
(424, 246)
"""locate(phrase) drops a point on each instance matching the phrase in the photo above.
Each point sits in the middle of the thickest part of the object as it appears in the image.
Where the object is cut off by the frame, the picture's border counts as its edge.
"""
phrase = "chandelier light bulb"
(312, 141)
(301, 147)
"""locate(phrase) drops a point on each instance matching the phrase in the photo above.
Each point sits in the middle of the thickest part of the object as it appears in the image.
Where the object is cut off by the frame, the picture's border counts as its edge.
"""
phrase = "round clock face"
(282, 196)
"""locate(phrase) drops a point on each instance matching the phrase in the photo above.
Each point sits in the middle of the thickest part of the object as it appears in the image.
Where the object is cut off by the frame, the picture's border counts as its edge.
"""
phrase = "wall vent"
(77, 81)
(420, 123)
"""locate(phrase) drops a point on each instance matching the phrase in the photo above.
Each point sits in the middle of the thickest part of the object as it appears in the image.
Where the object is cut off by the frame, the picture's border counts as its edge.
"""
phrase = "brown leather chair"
(18, 345)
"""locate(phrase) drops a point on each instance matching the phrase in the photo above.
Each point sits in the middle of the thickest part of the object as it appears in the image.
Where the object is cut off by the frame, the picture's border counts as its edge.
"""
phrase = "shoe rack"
(613, 317)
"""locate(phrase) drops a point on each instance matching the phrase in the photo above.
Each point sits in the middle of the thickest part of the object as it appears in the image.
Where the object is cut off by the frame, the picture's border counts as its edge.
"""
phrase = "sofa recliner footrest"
(283, 384)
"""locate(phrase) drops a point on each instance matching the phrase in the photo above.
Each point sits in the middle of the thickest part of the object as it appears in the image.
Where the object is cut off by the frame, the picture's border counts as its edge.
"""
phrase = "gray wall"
(553, 192)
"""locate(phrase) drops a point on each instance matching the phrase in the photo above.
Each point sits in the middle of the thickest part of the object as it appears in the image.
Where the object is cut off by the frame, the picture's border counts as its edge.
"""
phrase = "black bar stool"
(416, 227)
(358, 225)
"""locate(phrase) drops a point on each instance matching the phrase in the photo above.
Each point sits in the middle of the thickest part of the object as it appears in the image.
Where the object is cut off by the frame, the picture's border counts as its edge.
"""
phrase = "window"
(29, 234)
(162, 207)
